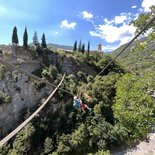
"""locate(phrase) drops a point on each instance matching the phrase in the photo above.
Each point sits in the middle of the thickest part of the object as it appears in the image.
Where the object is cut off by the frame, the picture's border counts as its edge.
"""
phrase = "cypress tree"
(43, 43)
(35, 39)
(14, 36)
(80, 44)
(83, 48)
(75, 46)
(88, 49)
(25, 38)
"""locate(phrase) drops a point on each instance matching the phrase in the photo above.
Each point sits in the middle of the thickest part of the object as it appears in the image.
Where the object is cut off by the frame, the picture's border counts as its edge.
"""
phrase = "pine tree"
(88, 49)
(14, 36)
(83, 48)
(43, 43)
(25, 38)
(75, 46)
(79, 48)
(35, 39)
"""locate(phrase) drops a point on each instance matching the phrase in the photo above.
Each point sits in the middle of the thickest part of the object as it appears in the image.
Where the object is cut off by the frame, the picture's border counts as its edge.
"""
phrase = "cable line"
(13, 67)
(15, 131)
(128, 44)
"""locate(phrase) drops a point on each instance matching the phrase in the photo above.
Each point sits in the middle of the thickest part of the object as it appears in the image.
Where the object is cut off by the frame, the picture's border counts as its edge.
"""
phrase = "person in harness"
(77, 104)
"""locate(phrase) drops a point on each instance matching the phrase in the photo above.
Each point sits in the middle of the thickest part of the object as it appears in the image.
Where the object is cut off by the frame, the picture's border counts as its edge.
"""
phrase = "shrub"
(5, 99)
(2, 72)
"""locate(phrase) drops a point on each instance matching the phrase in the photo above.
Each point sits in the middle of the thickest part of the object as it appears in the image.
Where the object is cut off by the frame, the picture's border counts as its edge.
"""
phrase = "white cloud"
(112, 33)
(108, 22)
(134, 7)
(95, 34)
(66, 24)
(146, 4)
(120, 19)
(87, 15)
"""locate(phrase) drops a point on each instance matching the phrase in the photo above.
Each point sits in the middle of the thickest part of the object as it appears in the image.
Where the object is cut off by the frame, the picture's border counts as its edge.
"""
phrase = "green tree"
(14, 36)
(4, 149)
(43, 43)
(88, 49)
(64, 146)
(25, 38)
(22, 143)
(142, 19)
(83, 48)
(80, 46)
(134, 109)
(50, 73)
(35, 38)
(48, 145)
(2, 72)
(75, 46)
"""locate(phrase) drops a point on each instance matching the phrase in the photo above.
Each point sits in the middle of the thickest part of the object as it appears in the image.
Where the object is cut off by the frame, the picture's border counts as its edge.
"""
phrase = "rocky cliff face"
(69, 65)
(24, 95)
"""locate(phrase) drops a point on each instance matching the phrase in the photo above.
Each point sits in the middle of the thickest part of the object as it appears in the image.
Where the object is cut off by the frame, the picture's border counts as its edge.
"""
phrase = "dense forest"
(122, 112)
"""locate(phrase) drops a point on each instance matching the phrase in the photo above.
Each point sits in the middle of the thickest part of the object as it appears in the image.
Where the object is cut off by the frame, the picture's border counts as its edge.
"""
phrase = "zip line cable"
(45, 81)
(128, 44)
(22, 125)
(13, 67)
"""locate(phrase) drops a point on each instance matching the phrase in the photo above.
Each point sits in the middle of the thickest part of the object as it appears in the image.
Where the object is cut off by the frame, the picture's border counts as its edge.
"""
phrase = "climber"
(77, 103)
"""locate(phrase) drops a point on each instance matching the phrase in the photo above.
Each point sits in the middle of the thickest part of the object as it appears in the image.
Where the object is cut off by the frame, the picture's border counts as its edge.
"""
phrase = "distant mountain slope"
(136, 59)
(56, 46)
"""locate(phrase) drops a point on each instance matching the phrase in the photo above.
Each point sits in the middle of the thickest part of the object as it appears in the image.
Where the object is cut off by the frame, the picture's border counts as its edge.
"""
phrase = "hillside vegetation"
(122, 109)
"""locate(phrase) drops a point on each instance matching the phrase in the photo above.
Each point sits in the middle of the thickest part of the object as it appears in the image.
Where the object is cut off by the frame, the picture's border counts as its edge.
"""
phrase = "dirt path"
(143, 148)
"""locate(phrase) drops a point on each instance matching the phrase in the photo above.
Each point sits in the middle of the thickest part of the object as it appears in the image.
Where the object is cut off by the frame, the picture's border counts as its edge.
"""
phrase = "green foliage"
(119, 106)
(143, 18)
(43, 43)
(64, 145)
(4, 149)
(134, 109)
(15, 36)
(39, 50)
(83, 48)
(81, 76)
(80, 46)
(75, 46)
(102, 92)
(22, 143)
(48, 145)
(25, 38)
(101, 153)
(50, 73)
(4, 99)
(69, 84)
(79, 139)
(35, 38)
(38, 71)
(7, 99)
(2, 72)
(88, 49)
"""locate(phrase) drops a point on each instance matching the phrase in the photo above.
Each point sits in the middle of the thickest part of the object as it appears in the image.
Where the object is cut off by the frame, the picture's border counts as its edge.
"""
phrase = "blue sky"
(63, 22)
